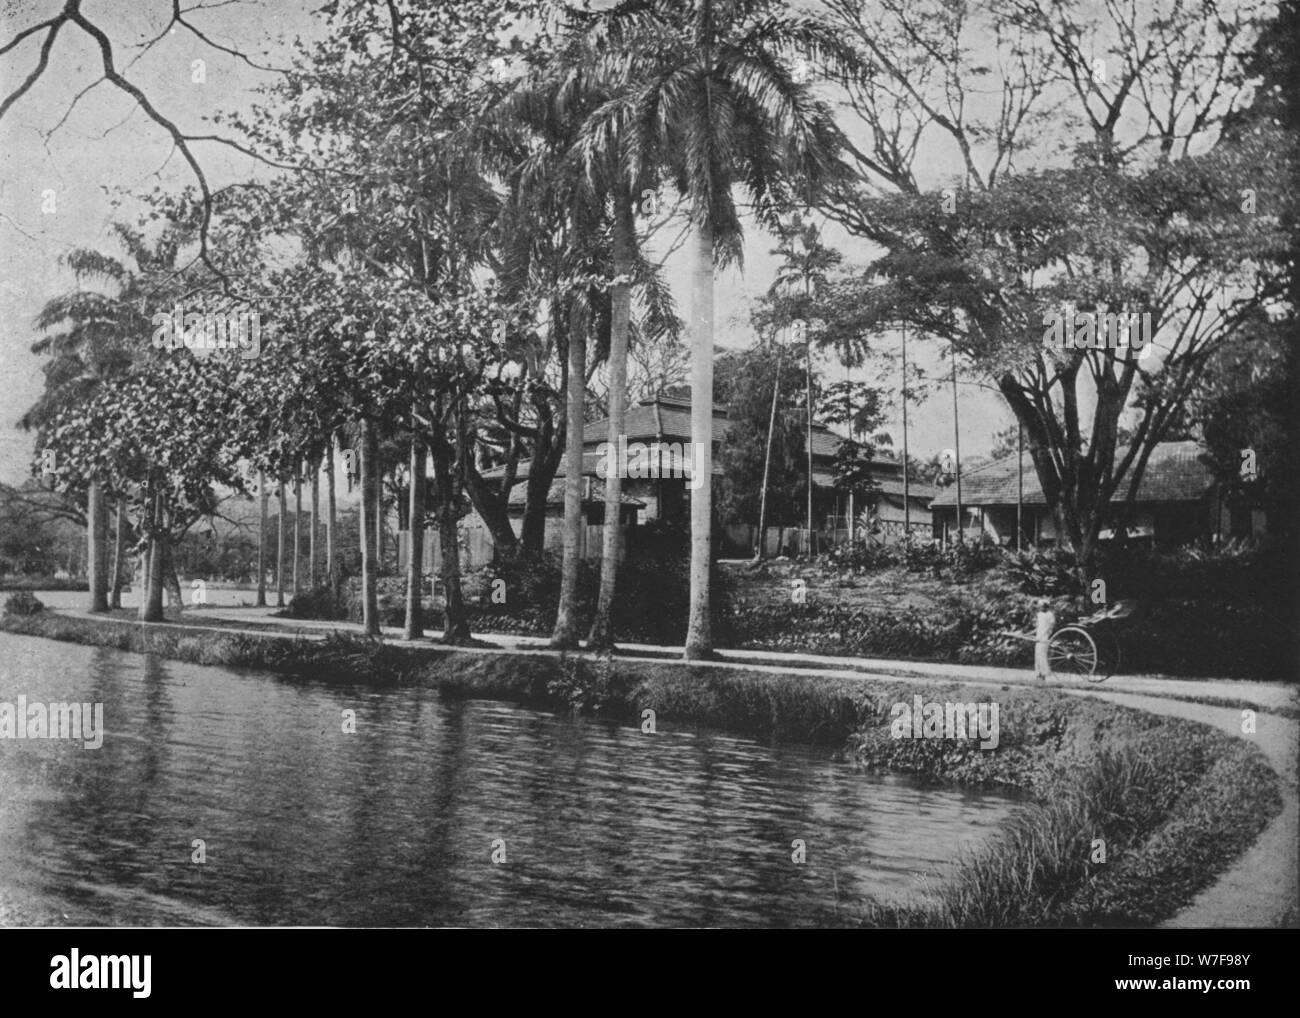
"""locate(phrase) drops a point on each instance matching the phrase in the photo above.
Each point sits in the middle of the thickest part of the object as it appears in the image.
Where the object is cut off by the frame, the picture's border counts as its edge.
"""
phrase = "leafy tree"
(1148, 215)
(858, 407)
(92, 337)
(753, 377)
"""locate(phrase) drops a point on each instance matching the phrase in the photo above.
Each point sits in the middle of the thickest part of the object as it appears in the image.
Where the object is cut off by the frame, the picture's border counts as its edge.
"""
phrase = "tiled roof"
(1174, 473)
(915, 489)
(886, 485)
(669, 419)
(664, 418)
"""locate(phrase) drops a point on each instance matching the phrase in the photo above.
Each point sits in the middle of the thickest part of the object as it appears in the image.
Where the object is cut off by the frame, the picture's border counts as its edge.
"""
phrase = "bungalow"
(1177, 502)
(477, 546)
(665, 494)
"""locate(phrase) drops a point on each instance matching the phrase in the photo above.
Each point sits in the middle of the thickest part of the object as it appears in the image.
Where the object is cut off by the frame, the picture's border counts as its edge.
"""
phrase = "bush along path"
(1261, 889)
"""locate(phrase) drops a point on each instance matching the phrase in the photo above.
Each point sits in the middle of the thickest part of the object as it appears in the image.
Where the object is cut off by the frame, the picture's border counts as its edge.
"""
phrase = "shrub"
(23, 603)
(863, 558)
(973, 556)
(583, 686)
(319, 603)
(651, 605)
(1048, 572)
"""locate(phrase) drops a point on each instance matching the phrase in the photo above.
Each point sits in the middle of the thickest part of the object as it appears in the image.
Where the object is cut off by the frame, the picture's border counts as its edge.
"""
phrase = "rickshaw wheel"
(1072, 651)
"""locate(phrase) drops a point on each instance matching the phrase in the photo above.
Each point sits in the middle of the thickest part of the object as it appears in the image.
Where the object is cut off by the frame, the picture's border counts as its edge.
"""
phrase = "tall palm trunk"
(261, 540)
(330, 521)
(699, 637)
(119, 552)
(807, 351)
(379, 516)
(297, 525)
(956, 449)
(369, 596)
(767, 465)
(96, 548)
(313, 562)
(565, 634)
(415, 547)
(279, 549)
(602, 635)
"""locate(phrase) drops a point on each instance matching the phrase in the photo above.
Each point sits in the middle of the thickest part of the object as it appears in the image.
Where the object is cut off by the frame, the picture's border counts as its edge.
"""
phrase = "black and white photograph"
(650, 464)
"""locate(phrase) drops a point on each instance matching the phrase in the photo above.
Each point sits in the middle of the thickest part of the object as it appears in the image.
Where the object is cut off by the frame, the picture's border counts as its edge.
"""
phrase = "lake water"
(598, 824)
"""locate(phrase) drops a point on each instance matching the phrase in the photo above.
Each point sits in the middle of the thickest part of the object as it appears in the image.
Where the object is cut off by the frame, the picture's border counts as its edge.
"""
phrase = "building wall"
(1169, 524)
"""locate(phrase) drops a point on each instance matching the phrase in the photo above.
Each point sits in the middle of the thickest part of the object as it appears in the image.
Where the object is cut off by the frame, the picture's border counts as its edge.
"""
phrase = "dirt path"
(1260, 889)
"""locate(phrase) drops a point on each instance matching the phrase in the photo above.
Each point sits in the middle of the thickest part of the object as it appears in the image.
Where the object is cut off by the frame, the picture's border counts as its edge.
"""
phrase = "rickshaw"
(1089, 646)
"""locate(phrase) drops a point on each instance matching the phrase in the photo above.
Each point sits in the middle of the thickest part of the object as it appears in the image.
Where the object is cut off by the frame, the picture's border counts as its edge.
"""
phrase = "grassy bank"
(1172, 802)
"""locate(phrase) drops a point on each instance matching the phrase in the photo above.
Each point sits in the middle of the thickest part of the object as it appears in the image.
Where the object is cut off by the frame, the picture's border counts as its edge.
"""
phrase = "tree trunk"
(493, 506)
(369, 595)
(541, 473)
(279, 549)
(261, 540)
(169, 574)
(297, 525)
(565, 634)
(146, 555)
(96, 547)
(119, 552)
(151, 609)
(330, 520)
(415, 545)
(699, 637)
(548, 451)
(379, 516)
(767, 465)
(807, 351)
(313, 561)
(455, 627)
(602, 636)
(956, 448)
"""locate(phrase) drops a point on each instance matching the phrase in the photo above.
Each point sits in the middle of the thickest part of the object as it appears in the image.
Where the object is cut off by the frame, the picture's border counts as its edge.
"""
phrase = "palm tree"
(565, 634)
(707, 87)
(565, 104)
(601, 635)
(563, 210)
(806, 263)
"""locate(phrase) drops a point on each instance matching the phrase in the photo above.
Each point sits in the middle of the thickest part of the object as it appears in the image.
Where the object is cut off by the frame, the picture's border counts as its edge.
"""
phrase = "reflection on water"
(303, 824)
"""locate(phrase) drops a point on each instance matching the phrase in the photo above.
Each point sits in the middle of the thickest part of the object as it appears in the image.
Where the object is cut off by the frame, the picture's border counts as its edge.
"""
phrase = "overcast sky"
(105, 152)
